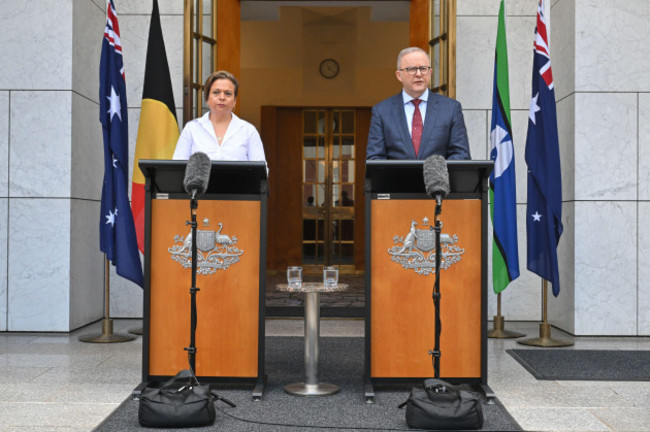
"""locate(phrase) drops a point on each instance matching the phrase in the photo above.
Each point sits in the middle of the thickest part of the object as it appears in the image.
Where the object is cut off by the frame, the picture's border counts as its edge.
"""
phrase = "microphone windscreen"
(197, 173)
(436, 175)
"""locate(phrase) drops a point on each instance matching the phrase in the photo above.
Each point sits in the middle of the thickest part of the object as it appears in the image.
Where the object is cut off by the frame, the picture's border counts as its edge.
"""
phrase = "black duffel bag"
(441, 406)
(181, 402)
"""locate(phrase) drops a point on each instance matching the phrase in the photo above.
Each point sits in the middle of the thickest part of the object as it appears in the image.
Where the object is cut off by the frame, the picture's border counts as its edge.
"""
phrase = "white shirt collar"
(205, 118)
(407, 98)
(235, 124)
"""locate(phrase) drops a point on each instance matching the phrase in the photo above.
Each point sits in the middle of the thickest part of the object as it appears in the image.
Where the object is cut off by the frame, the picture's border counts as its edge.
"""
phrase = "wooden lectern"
(400, 273)
(231, 275)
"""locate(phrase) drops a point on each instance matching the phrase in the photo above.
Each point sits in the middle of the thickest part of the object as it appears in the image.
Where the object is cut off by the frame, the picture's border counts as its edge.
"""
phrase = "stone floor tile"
(556, 419)
(53, 414)
(45, 429)
(624, 419)
(578, 397)
(20, 374)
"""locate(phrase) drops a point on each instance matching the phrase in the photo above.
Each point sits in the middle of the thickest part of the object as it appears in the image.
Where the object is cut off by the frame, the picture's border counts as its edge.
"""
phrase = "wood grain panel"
(403, 320)
(419, 24)
(228, 300)
(362, 126)
(229, 36)
(282, 131)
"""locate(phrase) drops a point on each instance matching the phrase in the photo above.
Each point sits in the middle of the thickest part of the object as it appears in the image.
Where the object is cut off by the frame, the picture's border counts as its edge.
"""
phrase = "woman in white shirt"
(219, 133)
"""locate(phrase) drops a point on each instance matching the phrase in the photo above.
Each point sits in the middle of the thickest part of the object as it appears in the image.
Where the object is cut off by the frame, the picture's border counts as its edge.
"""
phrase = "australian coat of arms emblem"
(214, 250)
(417, 249)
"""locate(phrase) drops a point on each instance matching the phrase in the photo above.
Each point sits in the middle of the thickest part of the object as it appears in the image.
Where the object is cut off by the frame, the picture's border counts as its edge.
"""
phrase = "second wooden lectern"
(231, 276)
(400, 272)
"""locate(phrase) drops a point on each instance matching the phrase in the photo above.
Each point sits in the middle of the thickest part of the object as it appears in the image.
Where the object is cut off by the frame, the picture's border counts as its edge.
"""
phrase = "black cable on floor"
(309, 426)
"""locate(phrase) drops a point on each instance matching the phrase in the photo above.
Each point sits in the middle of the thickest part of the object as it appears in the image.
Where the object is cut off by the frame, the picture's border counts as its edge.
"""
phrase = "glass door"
(328, 164)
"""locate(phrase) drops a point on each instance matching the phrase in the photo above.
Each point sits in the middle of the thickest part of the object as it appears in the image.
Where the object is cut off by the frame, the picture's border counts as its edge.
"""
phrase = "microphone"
(436, 177)
(197, 174)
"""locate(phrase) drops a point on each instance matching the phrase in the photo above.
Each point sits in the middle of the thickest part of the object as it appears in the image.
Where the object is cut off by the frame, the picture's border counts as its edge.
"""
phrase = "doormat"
(584, 365)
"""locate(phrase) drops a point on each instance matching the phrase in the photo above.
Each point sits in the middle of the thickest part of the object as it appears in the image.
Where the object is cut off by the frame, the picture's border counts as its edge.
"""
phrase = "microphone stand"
(191, 350)
(435, 353)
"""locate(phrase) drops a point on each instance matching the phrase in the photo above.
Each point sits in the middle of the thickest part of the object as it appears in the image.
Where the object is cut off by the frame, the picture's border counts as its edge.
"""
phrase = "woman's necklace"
(215, 126)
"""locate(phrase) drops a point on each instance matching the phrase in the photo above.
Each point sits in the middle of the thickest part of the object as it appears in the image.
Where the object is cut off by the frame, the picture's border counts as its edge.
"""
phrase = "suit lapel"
(429, 123)
(398, 104)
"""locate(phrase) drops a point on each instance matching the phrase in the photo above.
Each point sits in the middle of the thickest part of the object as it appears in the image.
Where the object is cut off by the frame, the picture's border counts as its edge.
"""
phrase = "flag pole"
(498, 331)
(107, 335)
(138, 331)
(545, 339)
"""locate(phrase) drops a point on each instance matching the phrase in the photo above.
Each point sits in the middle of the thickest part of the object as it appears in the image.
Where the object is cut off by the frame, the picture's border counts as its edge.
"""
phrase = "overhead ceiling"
(260, 10)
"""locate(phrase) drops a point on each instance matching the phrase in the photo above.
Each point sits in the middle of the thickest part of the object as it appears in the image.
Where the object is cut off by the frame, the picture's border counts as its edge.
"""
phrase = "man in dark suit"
(416, 123)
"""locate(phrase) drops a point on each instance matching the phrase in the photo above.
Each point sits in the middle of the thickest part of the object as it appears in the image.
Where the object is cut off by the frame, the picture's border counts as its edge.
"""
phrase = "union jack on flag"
(116, 230)
(541, 47)
(544, 206)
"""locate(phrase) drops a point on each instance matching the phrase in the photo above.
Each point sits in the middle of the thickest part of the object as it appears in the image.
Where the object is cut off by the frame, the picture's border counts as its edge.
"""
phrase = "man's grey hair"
(410, 50)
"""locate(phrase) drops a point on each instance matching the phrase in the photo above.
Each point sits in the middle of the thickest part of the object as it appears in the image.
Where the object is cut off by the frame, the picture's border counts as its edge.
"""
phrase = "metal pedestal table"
(311, 386)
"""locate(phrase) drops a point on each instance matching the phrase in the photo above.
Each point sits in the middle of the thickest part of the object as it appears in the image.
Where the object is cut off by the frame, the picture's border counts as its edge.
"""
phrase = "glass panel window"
(310, 171)
(199, 53)
(320, 198)
(309, 122)
(321, 148)
(336, 195)
(347, 122)
(308, 194)
(335, 172)
(328, 176)
(442, 33)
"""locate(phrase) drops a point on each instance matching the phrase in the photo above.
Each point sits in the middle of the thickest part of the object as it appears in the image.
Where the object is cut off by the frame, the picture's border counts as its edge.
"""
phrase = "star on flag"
(534, 107)
(110, 217)
(116, 234)
(115, 106)
(536, 217)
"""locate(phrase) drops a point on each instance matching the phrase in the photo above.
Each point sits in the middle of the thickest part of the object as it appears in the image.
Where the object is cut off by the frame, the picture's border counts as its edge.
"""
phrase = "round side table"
(311, 386)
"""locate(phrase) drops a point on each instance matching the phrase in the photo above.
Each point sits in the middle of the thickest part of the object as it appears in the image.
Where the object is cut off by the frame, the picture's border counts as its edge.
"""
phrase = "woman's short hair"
(217, 76)
(409, 50)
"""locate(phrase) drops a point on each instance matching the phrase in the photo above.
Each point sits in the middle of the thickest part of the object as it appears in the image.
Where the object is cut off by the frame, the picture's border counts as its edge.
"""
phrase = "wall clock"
(329, 68)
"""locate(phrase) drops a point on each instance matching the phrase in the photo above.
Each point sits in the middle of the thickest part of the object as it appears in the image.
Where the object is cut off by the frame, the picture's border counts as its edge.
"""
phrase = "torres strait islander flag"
(158, 128)
(544, 207)
(116, 230)
(503, 191)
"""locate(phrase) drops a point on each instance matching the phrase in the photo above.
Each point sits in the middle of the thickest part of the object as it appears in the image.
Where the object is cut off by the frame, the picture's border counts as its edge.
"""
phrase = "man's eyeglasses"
(413, 70)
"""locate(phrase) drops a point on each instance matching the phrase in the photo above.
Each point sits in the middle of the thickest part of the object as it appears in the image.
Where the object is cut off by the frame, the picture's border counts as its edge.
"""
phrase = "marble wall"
(561, 309)
(643, 282)
(611, 81)
(4, 203)
(87, 166)
(51, 154)
(600, 76)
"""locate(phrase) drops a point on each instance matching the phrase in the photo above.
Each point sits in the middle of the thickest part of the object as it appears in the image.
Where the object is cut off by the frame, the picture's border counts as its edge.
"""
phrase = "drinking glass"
(330, 276)
(294, 276)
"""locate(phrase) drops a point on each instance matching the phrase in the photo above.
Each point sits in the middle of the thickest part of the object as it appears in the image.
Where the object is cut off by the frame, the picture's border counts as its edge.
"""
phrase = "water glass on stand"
(294, 276)
(330, 276)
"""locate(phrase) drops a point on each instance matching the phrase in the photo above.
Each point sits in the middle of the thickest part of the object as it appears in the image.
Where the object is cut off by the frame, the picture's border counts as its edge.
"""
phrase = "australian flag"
(544, 208)
(116, 230)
